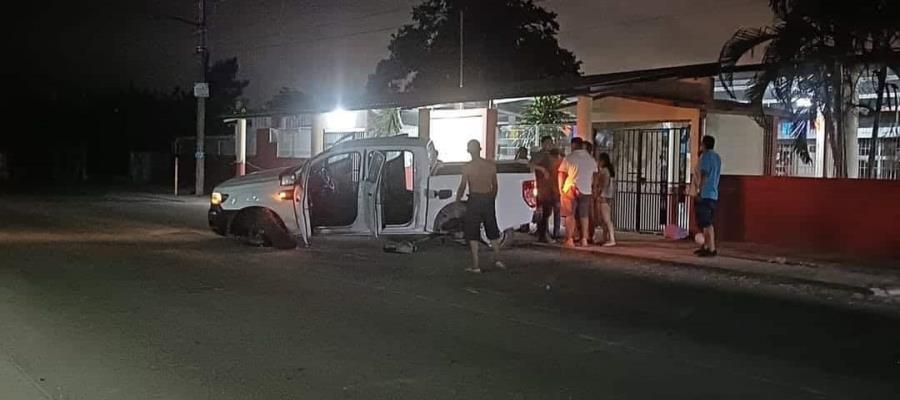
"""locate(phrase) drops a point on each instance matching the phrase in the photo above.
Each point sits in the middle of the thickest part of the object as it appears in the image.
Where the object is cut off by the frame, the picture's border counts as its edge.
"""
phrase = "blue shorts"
(706, 212)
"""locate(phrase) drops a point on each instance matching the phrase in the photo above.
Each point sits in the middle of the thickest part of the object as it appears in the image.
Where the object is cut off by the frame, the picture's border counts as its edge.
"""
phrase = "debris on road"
(400, 247)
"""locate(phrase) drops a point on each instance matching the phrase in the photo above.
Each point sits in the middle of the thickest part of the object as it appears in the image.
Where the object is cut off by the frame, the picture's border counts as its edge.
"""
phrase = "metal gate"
(651, 179)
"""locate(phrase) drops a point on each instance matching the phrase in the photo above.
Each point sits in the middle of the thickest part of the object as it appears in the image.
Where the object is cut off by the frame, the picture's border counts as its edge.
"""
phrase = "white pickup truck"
(393, 186)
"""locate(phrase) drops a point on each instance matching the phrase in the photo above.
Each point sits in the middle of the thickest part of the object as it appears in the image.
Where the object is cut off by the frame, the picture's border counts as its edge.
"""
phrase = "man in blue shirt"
(710, 169)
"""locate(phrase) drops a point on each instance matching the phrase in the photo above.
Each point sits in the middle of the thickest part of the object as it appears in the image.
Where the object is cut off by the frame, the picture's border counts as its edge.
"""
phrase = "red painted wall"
(828, 215)
(267, 154)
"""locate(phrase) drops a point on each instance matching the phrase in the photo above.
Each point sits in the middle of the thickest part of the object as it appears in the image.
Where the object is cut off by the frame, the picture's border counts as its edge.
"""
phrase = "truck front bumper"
(219, 219)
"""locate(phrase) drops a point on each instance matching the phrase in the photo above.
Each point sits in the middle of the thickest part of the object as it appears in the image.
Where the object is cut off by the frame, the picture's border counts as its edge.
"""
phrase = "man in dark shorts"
(710, 169)
(480, 177)
(545, 164)
(576, 179)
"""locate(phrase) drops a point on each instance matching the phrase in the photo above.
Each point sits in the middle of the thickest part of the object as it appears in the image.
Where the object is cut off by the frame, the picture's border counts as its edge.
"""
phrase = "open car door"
(301, 204)
(372, 204)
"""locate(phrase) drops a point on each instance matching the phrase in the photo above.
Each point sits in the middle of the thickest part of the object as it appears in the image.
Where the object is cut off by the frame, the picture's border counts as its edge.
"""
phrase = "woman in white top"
(607, 192)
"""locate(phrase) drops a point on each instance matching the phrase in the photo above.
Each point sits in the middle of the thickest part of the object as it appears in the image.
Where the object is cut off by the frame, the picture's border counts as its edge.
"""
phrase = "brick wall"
(829, 215)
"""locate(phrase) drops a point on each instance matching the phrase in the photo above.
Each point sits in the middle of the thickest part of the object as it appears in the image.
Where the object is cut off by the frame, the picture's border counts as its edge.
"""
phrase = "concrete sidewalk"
(873, 277)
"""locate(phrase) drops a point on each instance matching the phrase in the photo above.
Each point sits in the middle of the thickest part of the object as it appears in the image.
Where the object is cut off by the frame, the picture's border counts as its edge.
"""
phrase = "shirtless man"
(480, 176)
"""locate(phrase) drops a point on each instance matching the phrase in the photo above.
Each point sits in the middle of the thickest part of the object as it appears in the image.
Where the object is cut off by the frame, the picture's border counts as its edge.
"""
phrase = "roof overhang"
(640, 83)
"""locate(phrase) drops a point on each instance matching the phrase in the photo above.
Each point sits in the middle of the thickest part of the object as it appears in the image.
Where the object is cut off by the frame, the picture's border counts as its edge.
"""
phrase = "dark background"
(90, 81)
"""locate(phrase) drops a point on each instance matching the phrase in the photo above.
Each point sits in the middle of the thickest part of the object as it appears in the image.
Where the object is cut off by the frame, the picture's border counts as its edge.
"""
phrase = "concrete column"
(697, 123)
(851, 135)
(821, 146)
(583, 110)
(770, 138)
(240, 142)
(698, 126)
(490, 134)
(317, 136)
(672, 185)
(425, 123)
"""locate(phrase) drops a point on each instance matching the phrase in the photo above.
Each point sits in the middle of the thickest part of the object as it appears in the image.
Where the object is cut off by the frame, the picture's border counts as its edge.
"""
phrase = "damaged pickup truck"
(382, 187)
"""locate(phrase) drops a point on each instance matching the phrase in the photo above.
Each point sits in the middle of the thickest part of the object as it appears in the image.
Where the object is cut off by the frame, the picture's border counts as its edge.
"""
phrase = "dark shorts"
(580, 205)
(706, 212)
(480, 210)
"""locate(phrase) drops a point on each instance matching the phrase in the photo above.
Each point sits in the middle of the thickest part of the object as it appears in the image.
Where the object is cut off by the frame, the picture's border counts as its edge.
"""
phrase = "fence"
(652, 177)
(887, 158)
(789, 163)
(511, 137)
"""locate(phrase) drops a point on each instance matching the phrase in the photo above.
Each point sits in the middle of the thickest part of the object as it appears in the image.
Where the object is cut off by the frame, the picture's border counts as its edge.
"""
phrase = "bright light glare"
(340, 120)
(803, 102)
(450, 136)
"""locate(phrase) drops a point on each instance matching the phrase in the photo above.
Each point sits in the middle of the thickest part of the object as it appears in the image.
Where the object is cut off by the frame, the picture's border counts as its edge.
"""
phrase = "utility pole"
(201, 92)
(461, 47)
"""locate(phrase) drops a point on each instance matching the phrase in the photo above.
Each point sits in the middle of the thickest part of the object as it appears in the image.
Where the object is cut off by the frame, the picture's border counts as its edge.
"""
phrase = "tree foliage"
(817, 50)
(106, 125)
(225, 94)
(386, 122)
(288, 99)
(504, 41)
(544, 110)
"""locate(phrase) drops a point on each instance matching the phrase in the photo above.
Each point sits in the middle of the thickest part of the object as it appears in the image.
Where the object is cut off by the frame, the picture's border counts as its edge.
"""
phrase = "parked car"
(390, 187)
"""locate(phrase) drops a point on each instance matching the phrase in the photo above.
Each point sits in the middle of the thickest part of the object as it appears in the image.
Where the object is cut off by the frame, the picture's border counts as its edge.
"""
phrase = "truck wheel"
(262, 229)
(450, 221)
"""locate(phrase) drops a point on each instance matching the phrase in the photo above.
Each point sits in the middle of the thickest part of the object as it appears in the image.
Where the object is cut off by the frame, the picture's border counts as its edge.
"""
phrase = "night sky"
(329, 46)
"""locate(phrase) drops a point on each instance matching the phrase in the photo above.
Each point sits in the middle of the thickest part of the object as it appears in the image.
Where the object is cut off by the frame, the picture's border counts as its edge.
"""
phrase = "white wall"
(451, 130)
(739, 141)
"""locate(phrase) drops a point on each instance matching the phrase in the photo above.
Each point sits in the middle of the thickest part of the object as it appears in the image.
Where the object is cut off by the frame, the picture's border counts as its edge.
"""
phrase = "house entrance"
(652, 176)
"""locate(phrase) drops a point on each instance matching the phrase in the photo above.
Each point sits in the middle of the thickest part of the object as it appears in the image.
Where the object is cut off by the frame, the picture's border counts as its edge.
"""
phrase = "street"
(132, 297)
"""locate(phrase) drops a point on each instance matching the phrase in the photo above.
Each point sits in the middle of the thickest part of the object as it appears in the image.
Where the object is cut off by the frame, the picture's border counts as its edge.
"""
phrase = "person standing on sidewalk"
(576, 176)
(710, 169)
(592, 214)
(480, 177)
(545, 164)
(557, 159)
(605, 193)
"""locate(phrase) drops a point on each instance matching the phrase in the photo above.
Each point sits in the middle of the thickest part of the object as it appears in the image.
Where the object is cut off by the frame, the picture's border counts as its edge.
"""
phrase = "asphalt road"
(129, 297)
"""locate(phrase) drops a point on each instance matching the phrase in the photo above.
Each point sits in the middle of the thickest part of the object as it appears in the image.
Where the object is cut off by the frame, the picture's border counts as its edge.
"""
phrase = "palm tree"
(385, 122)
(818, 50)
(544, 114)
(544, 110)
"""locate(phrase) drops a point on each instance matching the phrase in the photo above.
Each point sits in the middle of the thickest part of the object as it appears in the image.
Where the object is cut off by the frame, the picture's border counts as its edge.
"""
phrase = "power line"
(654, 17)
(317, 39)
(397, 27)
(394, 10)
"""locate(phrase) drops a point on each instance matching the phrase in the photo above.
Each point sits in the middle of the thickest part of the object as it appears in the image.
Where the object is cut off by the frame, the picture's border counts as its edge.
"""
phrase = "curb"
(864, 290)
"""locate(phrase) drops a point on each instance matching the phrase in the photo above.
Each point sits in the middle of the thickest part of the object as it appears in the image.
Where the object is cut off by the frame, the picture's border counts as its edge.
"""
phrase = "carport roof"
(586, 84)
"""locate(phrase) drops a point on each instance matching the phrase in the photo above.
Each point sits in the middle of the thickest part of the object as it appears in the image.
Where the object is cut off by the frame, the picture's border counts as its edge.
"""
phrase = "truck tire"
(450, 221)
(262, 228)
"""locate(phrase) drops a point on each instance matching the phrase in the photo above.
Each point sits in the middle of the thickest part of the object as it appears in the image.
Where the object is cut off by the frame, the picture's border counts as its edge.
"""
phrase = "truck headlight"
(287, 179)
(217, 198)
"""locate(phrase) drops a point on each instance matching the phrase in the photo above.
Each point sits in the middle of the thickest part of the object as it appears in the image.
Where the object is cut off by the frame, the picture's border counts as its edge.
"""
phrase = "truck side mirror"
(443, 194)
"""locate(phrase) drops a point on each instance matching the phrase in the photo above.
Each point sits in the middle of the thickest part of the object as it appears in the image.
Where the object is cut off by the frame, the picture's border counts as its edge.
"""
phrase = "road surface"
(130, 297)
